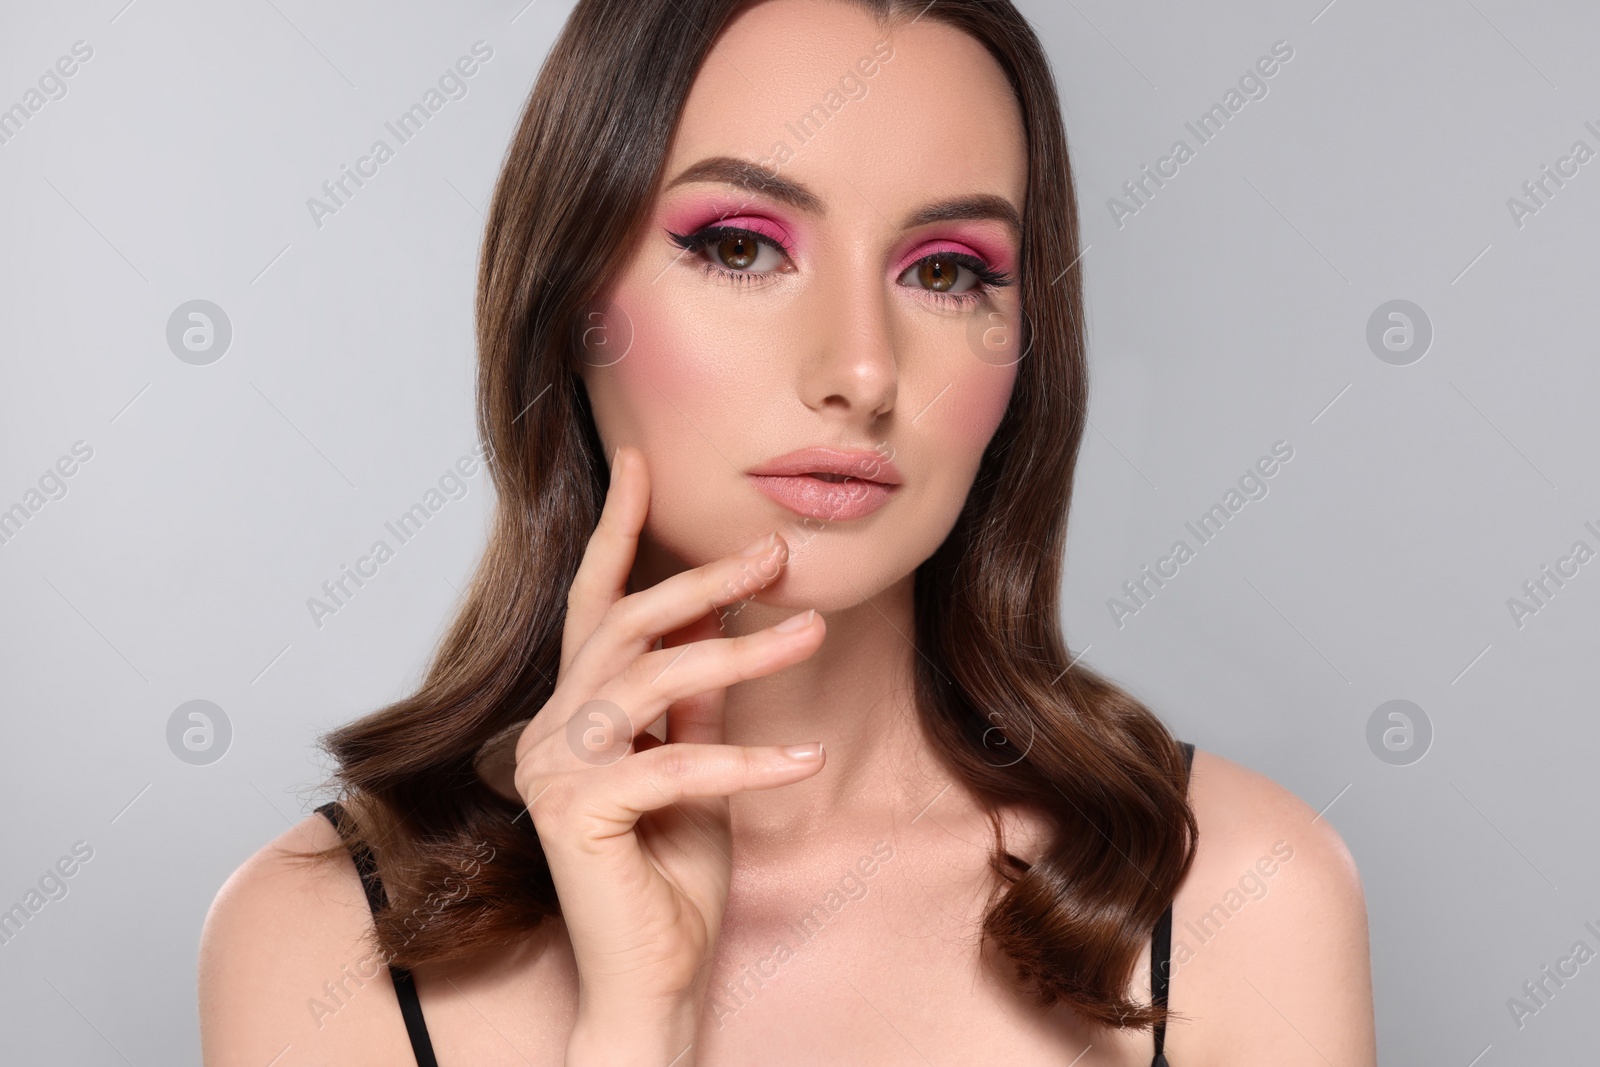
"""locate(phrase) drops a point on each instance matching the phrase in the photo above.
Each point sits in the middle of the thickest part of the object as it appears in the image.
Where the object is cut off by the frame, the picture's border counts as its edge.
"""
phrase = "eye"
(955, 277)
(733, 251)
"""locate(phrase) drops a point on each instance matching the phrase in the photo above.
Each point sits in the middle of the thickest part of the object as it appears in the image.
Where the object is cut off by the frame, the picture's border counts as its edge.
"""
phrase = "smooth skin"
(639, 844)
(679, 876)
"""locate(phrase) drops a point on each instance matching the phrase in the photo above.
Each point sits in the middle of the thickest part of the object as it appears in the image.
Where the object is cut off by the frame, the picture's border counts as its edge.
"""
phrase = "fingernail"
(614, 459)
(796, 622)
(759, 547)
(810, 751)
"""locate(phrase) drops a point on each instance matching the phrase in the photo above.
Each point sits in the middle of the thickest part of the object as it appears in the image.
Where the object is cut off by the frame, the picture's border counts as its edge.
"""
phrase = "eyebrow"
(728, 170)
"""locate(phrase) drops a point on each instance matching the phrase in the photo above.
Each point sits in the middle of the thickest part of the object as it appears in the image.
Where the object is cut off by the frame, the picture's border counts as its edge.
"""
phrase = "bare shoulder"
(1243, 814)
(1269, 942)
(284, 968)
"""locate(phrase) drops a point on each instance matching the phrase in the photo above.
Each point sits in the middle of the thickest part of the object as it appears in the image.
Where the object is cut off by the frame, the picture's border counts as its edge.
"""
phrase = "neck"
(855, 694)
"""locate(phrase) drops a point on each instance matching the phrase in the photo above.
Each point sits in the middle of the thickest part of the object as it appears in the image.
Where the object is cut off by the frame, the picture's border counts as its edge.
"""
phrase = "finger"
(602, 575)
(496, 760)
(600, 729)
(687, 674)
(696, 719)
(617, 795)
(631, 627)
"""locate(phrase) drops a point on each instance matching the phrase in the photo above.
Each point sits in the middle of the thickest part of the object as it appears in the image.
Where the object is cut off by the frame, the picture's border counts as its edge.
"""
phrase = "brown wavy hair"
(999, 696)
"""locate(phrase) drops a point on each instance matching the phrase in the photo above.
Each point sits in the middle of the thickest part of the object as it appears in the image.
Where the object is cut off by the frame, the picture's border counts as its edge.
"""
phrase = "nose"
(850, 367)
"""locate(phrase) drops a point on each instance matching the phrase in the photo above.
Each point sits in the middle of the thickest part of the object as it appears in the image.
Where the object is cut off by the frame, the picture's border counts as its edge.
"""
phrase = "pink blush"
(666, 357)
(987, 393)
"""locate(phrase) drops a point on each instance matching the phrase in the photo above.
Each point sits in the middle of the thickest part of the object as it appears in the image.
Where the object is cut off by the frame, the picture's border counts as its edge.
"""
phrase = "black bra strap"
(405, 986)
(1160, 968)
(1161, 949)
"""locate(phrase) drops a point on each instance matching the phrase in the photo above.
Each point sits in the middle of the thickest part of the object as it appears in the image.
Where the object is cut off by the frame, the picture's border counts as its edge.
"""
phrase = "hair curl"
(1005, 706)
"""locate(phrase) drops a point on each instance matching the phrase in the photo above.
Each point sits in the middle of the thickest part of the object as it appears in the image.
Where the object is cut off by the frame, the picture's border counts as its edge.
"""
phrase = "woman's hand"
(636, 831)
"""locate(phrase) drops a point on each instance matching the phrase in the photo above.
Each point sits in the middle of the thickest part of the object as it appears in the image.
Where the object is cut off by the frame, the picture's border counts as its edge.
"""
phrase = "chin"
(828, 595)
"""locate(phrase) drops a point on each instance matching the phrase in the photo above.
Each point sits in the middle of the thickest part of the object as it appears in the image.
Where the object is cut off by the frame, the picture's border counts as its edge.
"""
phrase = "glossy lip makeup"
(829, 484)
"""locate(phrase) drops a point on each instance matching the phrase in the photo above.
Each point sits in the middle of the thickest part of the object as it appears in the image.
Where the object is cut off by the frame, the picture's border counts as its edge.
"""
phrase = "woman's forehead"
(817, 90)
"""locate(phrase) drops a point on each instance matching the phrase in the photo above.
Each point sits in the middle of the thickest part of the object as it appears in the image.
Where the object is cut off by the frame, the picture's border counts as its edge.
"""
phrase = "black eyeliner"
(711, 234)
(694, 242)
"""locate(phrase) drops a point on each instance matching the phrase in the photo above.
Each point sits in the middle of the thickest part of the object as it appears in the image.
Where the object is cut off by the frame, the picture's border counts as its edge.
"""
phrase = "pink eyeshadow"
(971, 240)
(697, 214)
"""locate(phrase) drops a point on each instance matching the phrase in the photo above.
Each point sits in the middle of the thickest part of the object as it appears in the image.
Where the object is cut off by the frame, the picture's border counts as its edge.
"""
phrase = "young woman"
(798, 276)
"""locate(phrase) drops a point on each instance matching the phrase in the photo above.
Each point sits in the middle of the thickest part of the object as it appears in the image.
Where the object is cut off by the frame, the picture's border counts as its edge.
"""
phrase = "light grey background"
(1228, 313)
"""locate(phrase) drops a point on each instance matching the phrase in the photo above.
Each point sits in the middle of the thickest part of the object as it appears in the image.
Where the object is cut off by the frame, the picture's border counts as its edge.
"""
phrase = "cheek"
(657, 359)
(979, 395)
(982, 373)
(671, 386)
(953, 436)
(644, 367)
(682, 364)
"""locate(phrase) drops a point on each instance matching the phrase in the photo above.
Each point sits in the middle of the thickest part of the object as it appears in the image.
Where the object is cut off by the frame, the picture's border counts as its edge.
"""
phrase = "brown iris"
(739, 252)
(938, 274)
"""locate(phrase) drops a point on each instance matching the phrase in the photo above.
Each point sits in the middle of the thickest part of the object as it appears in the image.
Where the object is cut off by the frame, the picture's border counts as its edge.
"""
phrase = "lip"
(789, 481)
(867, 466)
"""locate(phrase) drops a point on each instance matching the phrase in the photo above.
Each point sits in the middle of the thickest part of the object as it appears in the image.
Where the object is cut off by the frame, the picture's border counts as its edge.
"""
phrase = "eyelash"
(989, 280)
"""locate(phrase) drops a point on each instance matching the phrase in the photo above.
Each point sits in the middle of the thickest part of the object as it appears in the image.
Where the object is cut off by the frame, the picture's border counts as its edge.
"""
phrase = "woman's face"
(863, 185)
